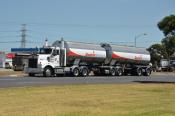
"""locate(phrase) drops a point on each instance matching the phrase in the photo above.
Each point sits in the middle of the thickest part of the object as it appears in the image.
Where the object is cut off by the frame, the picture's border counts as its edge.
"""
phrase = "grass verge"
(89, 100)
(11, 73)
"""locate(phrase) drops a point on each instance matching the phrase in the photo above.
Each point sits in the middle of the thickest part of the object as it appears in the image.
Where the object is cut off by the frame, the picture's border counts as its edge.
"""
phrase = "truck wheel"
(147, 72)
(112, 72)
(76, 72)
(48, 72)
(85, 72)
(119, 72)
(139, 72)
(31, 74)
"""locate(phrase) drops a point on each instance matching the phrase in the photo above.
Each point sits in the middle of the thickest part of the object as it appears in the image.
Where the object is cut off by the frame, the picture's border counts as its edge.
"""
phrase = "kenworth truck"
(80, 59)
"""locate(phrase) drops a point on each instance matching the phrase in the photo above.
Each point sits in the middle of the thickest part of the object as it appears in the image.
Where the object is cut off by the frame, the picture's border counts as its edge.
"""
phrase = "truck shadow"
(154, 82)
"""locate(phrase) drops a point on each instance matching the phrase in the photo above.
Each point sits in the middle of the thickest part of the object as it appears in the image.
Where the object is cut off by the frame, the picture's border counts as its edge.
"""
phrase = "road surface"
(38, 81)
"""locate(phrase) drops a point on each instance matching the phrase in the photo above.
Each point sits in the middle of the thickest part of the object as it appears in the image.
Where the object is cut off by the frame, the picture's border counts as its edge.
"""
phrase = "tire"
(85, 72)
(76, 72)
(139, 72)
(48, 72)
(119, 72)
(31, 74)
(112, 72)
(147, 72)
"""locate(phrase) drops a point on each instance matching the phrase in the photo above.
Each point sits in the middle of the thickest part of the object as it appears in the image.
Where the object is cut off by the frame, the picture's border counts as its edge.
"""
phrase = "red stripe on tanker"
(102, 54)
(86, 53)
(130, 56)
(116, 56)
(71, 53)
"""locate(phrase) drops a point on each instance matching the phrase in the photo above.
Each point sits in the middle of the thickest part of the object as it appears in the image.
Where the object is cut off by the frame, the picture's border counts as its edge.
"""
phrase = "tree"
(167, 25)
(169, 43)
(157, 52)
(167, 48)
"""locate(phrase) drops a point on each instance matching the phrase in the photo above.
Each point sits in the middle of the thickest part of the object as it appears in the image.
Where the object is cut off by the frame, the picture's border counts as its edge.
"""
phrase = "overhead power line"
(79, 25)
(10, 41)
(20, 41)
(8, 31)
(129, 42)
(9, 36)
(92, 26)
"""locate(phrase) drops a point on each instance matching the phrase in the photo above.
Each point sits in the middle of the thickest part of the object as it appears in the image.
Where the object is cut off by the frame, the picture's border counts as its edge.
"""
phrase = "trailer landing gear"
(31, 74)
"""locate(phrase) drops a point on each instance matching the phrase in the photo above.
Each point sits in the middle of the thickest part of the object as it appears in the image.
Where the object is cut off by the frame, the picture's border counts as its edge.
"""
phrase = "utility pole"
(23, 36)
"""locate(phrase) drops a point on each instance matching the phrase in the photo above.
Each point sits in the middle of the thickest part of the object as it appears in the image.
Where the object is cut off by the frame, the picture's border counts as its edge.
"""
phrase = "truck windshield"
(45, 51)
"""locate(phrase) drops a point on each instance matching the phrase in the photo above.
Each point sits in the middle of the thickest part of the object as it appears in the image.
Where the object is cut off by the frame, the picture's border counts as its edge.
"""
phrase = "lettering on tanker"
(138, 57)
(90, 54)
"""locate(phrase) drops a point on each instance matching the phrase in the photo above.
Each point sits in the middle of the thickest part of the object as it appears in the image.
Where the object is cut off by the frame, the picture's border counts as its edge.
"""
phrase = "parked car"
(8, 64)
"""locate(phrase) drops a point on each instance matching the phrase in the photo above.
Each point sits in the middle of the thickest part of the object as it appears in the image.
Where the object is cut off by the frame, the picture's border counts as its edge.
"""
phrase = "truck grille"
(32, 63)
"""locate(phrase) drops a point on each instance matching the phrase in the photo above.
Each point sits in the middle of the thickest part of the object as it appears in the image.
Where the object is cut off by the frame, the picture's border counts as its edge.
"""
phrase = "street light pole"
(136, 37)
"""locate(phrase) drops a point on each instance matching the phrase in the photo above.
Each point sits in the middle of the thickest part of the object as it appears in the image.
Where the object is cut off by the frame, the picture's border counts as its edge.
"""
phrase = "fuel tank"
(86, 52)
(130, 54)
(103, 53)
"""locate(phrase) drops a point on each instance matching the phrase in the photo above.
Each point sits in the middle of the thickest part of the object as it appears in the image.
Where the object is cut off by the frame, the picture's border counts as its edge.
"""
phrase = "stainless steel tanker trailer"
(80, 59)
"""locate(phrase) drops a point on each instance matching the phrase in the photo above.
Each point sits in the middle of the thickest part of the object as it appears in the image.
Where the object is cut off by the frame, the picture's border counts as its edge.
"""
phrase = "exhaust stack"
(62, 43)
(46, 43)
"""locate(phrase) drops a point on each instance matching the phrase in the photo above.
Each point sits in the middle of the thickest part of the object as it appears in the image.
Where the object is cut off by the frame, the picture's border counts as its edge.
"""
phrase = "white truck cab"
(44, 62)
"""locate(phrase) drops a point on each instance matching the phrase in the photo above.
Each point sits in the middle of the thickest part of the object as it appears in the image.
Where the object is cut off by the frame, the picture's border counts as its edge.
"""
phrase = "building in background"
(24, 50)
(8, 60)
(2, 59)
(20, 58)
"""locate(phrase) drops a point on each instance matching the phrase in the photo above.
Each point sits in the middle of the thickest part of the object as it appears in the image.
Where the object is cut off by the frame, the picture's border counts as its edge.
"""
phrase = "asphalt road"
(38, 81)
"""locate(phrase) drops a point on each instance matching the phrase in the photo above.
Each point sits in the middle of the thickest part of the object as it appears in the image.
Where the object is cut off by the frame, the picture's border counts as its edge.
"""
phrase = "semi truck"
(81, 59)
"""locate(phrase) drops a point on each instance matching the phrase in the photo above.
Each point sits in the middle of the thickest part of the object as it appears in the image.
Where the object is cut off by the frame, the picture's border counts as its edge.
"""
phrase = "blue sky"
(117, 21)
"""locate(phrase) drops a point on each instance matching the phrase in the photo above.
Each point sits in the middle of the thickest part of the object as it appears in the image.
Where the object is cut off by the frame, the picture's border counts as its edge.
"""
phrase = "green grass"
(89, 100)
